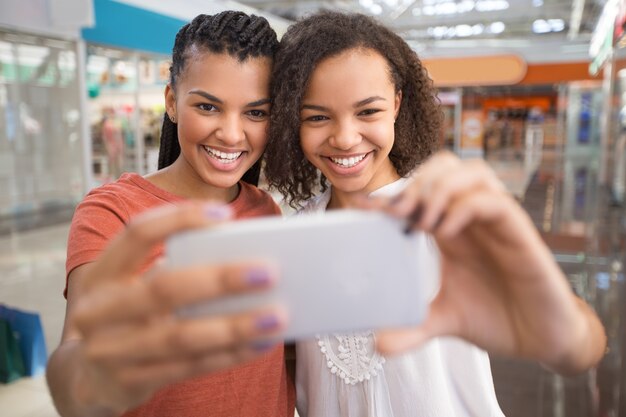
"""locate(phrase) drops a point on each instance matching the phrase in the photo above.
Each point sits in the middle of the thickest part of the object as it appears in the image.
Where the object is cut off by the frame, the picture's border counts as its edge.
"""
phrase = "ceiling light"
(550, 25)
(491, 5)
(429, 10)
(537, 3)
(541, 26)
(463, 31)
(376, 9)
(366, 3)
(445, 8)
(478, 29)
(497, 27)
(556, 25)
(438, 31)
(465, 6)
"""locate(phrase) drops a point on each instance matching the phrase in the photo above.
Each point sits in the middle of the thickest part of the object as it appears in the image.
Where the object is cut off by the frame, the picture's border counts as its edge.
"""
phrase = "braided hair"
(231, 32)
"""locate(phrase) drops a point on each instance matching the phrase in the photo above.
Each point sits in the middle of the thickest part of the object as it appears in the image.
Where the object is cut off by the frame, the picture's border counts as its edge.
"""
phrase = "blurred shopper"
(123, 347)
(357, 105)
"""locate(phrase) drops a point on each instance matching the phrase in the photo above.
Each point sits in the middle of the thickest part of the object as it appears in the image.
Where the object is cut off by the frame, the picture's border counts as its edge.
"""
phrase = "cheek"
(383, 134)
(192, 127)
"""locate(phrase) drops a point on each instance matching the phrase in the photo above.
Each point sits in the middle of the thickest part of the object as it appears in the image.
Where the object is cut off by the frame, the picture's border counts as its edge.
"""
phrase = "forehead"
(225, 74)
(354, 69)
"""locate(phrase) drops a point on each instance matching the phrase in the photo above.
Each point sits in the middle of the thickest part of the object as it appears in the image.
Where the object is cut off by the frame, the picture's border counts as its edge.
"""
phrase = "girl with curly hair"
(354, 107)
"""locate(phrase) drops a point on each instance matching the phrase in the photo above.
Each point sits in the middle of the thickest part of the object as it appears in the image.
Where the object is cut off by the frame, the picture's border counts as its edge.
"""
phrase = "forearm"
(587, 346)
(64, 369)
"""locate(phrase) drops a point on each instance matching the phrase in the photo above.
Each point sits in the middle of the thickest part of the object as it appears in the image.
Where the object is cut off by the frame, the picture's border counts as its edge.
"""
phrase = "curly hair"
(231, 32)
(324, 35)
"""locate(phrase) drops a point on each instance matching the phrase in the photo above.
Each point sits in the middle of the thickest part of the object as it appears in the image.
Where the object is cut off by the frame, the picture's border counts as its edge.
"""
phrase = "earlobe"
(170, 103)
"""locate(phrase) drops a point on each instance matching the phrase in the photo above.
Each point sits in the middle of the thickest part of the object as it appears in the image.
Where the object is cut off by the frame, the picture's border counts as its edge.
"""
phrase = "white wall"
(56, 18)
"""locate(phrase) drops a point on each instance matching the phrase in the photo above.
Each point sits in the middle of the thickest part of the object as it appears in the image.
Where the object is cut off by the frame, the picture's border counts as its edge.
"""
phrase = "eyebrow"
(211, 97)
(368, 100)
(356, 105)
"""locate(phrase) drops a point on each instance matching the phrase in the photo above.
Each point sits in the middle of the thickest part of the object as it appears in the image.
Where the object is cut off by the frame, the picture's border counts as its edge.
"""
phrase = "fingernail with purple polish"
(267, 322)
(217, 212)
(257, 278)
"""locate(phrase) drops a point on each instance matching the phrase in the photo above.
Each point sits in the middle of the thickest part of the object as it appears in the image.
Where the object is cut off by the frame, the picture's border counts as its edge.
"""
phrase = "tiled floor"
(27, 397)
(32, 278)
(32, 266)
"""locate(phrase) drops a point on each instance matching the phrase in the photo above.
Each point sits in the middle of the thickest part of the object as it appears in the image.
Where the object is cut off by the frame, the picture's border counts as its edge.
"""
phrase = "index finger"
(128, 251)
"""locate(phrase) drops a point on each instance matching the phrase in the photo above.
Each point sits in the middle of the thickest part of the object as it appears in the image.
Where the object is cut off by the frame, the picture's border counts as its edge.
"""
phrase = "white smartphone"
(344, 270)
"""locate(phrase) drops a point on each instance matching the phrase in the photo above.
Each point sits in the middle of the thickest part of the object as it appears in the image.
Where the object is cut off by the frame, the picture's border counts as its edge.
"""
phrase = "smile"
(223, 157)
(347, 162)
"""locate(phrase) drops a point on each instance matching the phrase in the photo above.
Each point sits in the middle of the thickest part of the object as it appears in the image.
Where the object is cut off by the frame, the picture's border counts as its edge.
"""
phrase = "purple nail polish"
(268, 322)
(257, 278)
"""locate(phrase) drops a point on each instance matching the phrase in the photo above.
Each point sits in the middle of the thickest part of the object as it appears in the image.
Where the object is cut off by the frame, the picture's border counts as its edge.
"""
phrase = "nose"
(345, 136)
(231, 131)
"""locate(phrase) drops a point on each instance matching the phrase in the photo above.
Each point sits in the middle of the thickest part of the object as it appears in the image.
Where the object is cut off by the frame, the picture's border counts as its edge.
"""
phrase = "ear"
(396, 104)
(170, 101)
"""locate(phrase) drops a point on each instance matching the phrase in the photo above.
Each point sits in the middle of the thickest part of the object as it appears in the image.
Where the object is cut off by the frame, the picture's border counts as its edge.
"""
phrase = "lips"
(223, 157)
(347, 162)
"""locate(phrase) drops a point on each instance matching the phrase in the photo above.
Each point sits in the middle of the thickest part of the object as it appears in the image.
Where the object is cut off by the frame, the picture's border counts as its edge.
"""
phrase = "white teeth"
(348, 162)
(223, 156)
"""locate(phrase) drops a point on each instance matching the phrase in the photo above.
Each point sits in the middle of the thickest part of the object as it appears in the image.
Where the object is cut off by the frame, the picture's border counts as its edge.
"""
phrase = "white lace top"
(342, 375)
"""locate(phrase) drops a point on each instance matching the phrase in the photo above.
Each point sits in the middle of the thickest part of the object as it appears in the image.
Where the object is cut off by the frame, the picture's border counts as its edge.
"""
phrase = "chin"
(351, 185)
(223, 181)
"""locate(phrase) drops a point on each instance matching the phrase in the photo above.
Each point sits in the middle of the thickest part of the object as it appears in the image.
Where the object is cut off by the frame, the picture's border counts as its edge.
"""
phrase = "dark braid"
(169, 148)
(231, 32)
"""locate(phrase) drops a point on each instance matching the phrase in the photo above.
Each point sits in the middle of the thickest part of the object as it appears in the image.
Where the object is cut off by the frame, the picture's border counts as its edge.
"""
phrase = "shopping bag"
(11, 363)
(27, 326)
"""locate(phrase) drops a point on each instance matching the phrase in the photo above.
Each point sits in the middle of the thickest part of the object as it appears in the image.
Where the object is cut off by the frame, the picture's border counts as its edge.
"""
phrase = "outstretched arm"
(501, 288)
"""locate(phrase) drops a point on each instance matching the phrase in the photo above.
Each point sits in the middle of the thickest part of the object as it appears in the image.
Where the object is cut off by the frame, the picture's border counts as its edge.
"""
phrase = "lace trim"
(354, 359)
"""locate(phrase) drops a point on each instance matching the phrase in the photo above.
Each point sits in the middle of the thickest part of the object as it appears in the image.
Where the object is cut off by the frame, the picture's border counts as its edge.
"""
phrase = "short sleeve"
(97, 219)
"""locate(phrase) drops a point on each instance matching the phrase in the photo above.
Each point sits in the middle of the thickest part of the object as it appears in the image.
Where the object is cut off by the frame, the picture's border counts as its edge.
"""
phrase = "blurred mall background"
(536, 87)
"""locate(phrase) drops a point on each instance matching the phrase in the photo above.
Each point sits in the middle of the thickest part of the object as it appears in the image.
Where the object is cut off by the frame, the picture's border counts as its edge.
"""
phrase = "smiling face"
(221, 107)
(347, 121)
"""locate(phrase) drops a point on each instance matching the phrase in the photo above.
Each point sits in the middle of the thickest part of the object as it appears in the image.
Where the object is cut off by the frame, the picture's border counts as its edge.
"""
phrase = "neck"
(341, 200)
(346, 199)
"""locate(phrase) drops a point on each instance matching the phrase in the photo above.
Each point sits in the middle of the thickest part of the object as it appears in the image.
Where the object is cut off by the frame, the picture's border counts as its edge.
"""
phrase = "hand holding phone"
(340, 271)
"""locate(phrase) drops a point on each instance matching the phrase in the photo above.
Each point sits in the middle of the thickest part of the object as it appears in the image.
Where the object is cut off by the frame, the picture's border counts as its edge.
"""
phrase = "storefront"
(81, 95)
(126, 73)
(41, 125)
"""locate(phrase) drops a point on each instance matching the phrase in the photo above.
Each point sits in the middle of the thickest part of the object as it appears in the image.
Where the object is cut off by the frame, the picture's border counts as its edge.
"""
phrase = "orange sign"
(476, 70)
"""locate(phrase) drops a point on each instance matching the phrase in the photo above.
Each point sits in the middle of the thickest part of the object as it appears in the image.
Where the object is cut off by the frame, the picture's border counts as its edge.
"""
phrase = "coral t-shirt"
(259, 388)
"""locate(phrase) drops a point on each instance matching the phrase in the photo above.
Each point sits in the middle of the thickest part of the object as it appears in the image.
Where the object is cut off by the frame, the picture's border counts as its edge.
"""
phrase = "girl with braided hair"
(355, 115)
(124, 351)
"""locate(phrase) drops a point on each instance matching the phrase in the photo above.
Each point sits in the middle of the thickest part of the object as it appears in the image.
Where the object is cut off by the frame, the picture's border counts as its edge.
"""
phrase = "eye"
(206, 107)
(316, 118)
(369, 112)
(258, 114)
